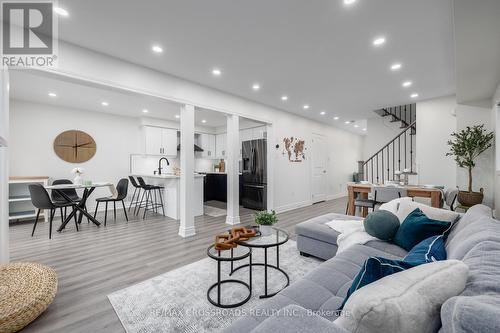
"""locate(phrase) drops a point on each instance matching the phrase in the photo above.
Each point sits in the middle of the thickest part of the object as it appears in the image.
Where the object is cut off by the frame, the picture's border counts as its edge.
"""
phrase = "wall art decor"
(294, 148)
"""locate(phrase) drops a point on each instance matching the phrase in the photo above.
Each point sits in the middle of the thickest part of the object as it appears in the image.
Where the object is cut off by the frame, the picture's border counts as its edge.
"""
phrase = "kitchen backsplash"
(147, 164)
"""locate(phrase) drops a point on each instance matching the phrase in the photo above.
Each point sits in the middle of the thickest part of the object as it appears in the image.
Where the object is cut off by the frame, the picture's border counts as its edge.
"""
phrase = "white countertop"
(167, 176)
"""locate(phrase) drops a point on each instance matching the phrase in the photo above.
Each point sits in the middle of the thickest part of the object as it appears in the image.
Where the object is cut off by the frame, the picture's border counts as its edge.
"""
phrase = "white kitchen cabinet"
(160, 141)
(220, 145)
(207, 143)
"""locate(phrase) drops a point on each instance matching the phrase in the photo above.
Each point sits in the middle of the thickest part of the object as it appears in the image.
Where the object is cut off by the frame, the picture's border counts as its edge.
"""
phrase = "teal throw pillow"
(382, 224)
(375, 268)
(428, 250)
(417, 227)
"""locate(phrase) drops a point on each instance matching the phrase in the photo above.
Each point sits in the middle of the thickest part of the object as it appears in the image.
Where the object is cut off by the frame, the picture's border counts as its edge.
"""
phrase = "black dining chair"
(41, 200)
(122, 189)
(70, 193)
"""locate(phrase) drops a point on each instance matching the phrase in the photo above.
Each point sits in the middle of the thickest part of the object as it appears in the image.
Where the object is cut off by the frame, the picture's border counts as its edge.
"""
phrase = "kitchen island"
(172, 192)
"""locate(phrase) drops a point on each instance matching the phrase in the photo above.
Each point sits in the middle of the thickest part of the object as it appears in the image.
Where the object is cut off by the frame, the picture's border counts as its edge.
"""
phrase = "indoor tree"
(467, 145)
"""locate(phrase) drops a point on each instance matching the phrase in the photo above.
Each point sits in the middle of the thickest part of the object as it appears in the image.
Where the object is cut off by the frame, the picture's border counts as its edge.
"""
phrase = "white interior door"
(319, 156)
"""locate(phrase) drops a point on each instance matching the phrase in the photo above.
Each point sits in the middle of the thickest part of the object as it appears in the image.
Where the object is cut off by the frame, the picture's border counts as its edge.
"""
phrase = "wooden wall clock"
(74, 146)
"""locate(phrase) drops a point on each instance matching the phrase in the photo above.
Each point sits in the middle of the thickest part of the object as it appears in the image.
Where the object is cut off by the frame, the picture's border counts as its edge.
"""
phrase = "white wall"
(35, 126)
(380, 132)
(292, 180)
(483, 173)
(435, 123)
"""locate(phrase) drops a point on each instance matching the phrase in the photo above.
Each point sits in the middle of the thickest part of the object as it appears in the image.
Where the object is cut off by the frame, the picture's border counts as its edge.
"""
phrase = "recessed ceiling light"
(305, 107)
(61, 11)
(379, 41)
(407, 84)
(157, 49)
(177, 116)
(322, 113)
(364, 129)
(415, 95)
(284, 98)
(51, 94)
(145, 110)
(349, 2)
(336, 118)
(356, 126)
(203, 121)
(256, 86)
(216, 72)
(104, 103)
(347, 122)
(396, 66)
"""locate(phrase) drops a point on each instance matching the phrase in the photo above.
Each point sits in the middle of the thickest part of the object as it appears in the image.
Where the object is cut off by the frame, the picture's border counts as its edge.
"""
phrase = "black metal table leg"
(278, 256)
(78, 207)
(265, 271)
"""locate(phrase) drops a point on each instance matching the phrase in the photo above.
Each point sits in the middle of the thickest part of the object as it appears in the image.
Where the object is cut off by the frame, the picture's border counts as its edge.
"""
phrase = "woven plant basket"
(26, 290)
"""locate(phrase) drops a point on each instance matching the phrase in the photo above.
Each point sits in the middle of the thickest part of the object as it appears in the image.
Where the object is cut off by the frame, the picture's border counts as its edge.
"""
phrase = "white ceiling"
(477, 40)
(316, 52)
(34, 87)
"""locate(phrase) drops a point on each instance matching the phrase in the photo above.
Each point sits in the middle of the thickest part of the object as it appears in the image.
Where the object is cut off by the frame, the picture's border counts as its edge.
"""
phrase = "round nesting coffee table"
(231, 256)
(275, 239)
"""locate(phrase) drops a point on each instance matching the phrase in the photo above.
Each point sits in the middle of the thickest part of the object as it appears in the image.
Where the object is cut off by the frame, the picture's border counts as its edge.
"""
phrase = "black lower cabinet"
(215, 187)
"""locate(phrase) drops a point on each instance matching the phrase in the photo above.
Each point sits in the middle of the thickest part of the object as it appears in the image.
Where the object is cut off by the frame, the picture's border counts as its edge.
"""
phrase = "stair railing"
(397, 155)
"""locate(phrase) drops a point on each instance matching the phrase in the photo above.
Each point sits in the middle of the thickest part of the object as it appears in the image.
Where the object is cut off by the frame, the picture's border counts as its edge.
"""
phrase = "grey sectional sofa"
(475, 240)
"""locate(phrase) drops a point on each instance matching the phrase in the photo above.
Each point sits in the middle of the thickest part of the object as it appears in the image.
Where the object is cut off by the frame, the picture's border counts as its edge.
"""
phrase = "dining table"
(362, 190)
(79, 207)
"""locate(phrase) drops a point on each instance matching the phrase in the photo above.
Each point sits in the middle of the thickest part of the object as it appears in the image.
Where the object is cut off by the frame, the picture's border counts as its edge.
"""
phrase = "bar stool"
(150, 203)
(137, 190)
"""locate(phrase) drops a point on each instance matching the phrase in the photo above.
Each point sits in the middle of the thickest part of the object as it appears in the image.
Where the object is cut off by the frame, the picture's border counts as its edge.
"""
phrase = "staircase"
(399, 153)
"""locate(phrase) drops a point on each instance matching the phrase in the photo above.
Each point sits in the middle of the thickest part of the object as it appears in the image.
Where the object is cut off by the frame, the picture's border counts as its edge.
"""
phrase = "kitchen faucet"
(159, 164)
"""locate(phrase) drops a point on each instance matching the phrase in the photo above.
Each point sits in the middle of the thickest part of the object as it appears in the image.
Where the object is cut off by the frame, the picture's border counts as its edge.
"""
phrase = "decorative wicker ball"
(26, 290)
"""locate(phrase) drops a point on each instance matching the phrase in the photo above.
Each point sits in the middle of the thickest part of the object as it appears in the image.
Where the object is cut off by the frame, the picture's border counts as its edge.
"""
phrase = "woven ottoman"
(26, 290)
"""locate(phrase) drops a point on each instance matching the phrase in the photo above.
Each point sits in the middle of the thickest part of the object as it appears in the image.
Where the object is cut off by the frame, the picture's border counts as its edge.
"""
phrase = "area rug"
(177, 301)
(214, 211)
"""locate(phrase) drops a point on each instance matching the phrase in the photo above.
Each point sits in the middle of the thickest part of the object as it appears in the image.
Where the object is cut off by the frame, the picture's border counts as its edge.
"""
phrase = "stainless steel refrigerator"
(254, 171)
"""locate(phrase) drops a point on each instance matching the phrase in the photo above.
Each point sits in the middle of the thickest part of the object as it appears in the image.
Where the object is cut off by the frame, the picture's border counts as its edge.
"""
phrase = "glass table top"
(236, 253)
(276, 237)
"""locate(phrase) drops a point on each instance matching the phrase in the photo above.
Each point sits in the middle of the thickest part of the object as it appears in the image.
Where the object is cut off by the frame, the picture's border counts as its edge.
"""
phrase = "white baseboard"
(336, 196)
(293, 206)
(286, 208)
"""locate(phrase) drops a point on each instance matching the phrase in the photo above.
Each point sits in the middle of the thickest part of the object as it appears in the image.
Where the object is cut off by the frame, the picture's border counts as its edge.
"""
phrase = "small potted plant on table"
(266, 220)
(465, 147)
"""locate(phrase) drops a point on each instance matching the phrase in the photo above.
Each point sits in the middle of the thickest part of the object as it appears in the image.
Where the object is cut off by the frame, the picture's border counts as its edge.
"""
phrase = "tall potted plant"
(465, 147)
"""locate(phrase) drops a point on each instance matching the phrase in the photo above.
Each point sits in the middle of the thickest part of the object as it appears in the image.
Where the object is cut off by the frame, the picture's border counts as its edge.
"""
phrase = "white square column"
(186, 228)
(4, 166)
(233, 170)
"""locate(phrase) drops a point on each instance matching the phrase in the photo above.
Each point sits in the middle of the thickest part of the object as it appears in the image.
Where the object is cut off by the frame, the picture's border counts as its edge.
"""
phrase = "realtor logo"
(28, 34)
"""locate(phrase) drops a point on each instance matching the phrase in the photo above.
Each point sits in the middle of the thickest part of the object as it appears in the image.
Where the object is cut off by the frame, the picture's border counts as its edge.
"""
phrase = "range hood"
(196, 148)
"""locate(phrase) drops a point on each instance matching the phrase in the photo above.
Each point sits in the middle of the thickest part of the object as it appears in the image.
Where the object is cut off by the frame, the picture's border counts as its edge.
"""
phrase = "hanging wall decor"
(294, 148)
(75, 146)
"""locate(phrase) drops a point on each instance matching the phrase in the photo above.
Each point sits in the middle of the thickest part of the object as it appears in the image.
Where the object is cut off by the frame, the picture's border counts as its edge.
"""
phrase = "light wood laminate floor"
(96, 261)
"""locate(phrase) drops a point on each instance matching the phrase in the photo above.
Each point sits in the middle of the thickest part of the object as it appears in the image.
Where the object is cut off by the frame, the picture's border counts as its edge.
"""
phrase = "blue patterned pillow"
(376, 268)
(428, 250)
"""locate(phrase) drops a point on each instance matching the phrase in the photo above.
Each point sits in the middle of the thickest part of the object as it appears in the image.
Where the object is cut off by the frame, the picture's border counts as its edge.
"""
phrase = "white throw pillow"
(393, 205)
(409, 301)
(406, 207)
